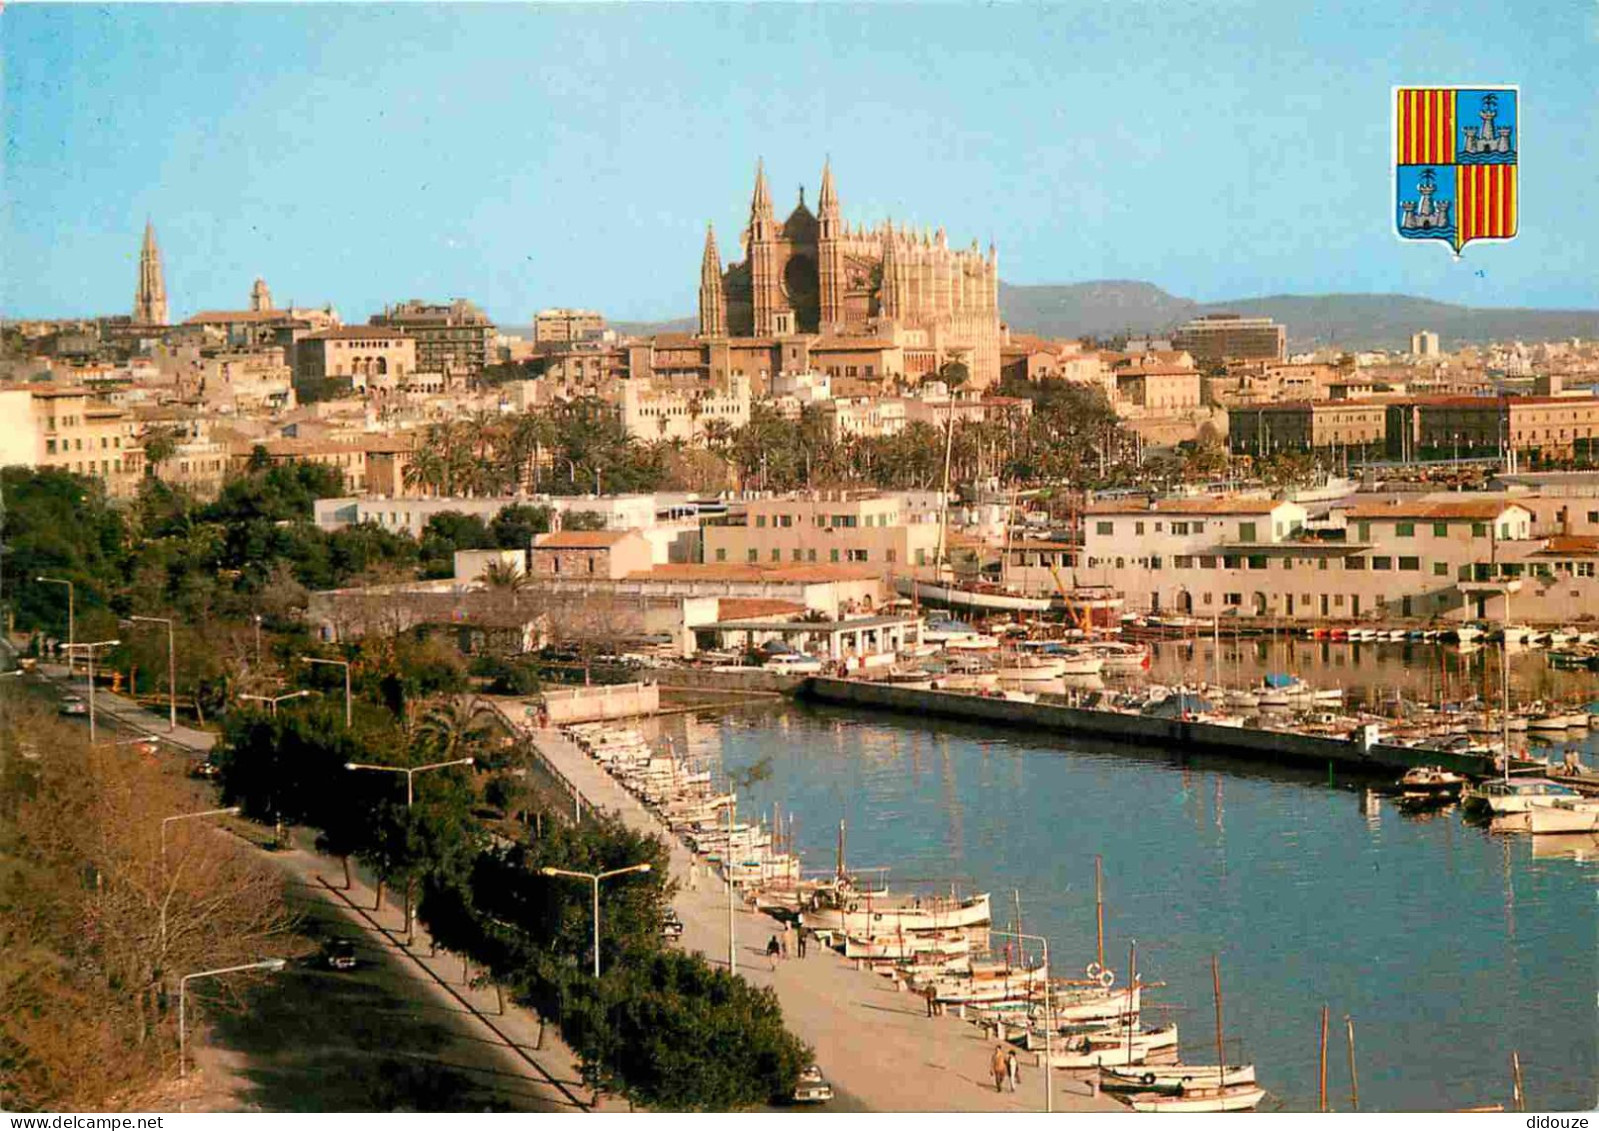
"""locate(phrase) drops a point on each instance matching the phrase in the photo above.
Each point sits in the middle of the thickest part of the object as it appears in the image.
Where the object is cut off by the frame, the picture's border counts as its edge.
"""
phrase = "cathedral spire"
(827, 203)
(150, 299)
(713, 303)
(761, 203)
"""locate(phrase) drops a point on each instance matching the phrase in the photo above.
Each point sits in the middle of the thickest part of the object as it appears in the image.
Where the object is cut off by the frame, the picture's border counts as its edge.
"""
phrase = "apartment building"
(1320, 425)
(862, 528)
(1253, 557)
(658, 411)
(72, 429)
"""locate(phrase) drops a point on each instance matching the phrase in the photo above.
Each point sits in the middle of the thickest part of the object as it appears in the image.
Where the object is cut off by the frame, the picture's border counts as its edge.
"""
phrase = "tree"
(160, 445)
(516, 525)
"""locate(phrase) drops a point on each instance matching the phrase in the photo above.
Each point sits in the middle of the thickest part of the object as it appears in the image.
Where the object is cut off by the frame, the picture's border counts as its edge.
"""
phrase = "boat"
(1501, 796)
(843, 910)
(1119, 658)
(973, 595)
(1022, 668)
(910, 680)
(1463, 634)
(944, 945)
(1433, 781)
(1564, 815)
(1172, 1078)
(1109, 1047)
(1225, 1097)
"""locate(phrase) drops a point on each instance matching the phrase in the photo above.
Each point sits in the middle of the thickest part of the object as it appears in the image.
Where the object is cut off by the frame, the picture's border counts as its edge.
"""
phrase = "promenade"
(876, 1045)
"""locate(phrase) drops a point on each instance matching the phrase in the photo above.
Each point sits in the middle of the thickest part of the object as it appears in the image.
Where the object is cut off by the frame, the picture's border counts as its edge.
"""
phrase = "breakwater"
(1142, 730)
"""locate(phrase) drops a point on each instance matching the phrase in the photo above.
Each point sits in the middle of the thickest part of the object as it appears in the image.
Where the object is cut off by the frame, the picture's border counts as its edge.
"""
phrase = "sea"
(1444, 948)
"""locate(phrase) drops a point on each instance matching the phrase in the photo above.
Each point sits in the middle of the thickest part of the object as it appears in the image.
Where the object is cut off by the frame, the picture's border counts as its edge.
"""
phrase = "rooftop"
(1402, 508)
(1251, 505)
(803, 574)
(580, 539)
(362, 332)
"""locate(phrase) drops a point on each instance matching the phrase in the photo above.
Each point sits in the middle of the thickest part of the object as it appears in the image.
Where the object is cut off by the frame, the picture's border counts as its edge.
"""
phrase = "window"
(751, 556)
(1234, 599)
(1338, 600)
(49, 447)
(1231, 562)
(1104, 528)
(1322, 564)
(1405, 529)
(1354, 563)
(1207, 562)
(798, 554)
(1257, 561)
(1440, 530)
(760, 521)
(1364, 529)
(1207, 599)
(832, 555)
(591, 563)
(810, 555)
(777, 555)
(1246, 531)
(1158, 527)
(1479, 530)
(1410, 565)
(1288, 563)
(857, 555)
(1593, 517)
(1440, 569)
(1382, 562)
(1183, 561)
(1138, 528)
(1179, 528)
(1504, 530)
(891, 556)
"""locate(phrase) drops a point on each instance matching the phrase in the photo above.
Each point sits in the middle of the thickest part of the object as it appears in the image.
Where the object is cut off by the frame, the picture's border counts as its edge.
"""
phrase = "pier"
(874, 1042)
(1178, 735)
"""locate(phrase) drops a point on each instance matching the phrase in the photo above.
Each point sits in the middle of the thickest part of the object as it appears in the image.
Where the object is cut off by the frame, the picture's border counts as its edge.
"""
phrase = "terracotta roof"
(734, 571)
(321, 446)
(580, 539)
(356, 332)
(1571, 547)
(1185, 506)
(238, 316)
(1407, 509)
(748, 608)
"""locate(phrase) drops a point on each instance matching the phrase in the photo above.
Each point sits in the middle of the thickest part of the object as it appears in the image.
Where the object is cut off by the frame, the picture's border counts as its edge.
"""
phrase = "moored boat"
(1226, 1097)
(1173, 1077)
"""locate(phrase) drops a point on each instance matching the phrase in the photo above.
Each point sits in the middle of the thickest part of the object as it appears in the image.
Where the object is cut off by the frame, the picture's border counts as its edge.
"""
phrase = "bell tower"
(766, 292)
(150, 299)
(830, 255)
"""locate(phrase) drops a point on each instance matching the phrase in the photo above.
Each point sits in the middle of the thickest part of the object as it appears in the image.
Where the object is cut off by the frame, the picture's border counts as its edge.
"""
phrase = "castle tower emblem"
(1455, 163)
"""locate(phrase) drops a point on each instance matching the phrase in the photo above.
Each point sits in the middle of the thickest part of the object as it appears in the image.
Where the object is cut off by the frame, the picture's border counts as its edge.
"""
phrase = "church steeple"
(761, 202)
(830, 254)
(150, 299)
(766, 291)
(713, 303)
(827, 203)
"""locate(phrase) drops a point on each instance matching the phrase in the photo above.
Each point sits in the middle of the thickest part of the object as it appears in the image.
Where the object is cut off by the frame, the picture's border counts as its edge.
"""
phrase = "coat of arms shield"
(1455, 161)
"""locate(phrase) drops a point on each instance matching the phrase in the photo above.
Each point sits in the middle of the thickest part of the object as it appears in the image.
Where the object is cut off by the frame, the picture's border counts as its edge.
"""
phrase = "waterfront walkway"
(876, 1045)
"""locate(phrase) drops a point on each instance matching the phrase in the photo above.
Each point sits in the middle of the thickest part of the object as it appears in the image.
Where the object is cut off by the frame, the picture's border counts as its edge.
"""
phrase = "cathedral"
(815, 275)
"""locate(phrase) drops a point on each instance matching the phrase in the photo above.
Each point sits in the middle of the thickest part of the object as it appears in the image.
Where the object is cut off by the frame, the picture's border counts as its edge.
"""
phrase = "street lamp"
(172, 669)
(72, 620)
(274, 700)
(1049, 1017)
(274, 965)
(336, 663)
(161, 926)
(71, 648)
(410, 773)
(595, 878)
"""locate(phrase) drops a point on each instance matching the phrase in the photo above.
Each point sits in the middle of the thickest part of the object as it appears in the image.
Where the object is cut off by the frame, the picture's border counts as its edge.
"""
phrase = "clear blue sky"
(530, 156)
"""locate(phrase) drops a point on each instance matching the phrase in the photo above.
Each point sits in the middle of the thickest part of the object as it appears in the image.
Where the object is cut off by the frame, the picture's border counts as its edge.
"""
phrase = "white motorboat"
(1328, 695)
(1516, 795)
(1121, 658)
(1466, 634)
(1018, 668)
(1229, 1097)
(977, 642)
(1564, 815)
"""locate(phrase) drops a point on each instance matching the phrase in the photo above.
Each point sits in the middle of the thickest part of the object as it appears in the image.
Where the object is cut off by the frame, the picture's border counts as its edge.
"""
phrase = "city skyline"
(526, 157)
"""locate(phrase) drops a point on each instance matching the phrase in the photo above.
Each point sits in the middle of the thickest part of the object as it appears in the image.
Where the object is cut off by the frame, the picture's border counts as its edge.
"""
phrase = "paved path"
(119, 712)
(877, 1046)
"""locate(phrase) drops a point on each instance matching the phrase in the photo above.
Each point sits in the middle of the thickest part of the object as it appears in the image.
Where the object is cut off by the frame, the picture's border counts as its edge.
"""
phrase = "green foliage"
(583, 520)
(507, 676)
(59, 525)
(514, 527)
(444, 534)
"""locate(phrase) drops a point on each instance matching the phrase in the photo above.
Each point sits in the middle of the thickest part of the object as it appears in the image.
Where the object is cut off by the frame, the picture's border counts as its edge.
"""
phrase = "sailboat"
(1201, 1094)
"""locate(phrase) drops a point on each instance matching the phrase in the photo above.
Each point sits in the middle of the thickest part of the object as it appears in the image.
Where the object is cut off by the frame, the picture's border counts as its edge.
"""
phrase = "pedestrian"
(931, 995)
(998, 1067)
(772, 949)
(1013, 1071)
(802, 944)
(694, 875)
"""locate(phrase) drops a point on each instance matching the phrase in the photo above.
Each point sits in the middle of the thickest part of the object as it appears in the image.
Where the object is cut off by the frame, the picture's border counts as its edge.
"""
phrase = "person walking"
(773, 947)
(931, 994)
(998, 1067)
(1013, 1071)
(802, 943)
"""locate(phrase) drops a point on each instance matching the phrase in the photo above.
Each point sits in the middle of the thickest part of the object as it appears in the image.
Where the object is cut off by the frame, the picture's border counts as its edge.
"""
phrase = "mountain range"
(1111, 307)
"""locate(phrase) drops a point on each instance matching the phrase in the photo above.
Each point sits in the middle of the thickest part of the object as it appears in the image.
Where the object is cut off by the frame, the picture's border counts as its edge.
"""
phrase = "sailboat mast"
(943, 514)
(1221, 1055)
(1132, 982)
(1099, 912)
(840, 866)
(1504, 652)
(1354, 1077)
(1324, 1012)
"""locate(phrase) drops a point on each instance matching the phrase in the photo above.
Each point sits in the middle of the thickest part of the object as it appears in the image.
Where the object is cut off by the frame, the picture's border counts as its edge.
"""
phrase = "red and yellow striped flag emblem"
(1486, 207)
(1426, 133)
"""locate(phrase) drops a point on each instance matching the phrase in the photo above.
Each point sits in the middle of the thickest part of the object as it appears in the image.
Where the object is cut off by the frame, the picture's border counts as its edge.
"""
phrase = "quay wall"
(1177, 734)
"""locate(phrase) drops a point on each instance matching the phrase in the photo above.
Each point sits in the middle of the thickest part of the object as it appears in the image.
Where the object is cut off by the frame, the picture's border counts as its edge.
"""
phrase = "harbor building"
(1539, 428)
(1253, 557)
(1354, 426)
(1214, 338)
(829, 527)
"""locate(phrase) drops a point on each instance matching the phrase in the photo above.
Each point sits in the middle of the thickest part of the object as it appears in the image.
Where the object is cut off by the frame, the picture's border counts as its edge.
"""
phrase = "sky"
(527, 156)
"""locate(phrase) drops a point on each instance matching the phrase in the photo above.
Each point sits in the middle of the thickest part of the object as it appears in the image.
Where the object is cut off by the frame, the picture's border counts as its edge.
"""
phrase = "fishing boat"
(987, 982)
(1109, 1047)
(1432, 781)
(845, 910)
(1195, 1098)
(972, 595)
(1172, 1078)
(945, 945)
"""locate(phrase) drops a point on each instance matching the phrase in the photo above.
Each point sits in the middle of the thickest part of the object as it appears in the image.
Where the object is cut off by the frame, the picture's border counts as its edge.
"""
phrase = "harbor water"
(1447, 945)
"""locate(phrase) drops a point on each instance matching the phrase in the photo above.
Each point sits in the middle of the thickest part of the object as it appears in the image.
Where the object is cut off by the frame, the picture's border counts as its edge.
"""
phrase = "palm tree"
(457, 728)
(504, 576)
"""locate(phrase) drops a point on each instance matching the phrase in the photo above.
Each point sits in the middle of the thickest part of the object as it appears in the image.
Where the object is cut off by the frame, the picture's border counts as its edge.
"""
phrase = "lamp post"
(172, 669)
(594, 878)
(410, 773)
(90, 647)
(272, 964)
(161, 926)
(1049, 1016)
(72, 620)
(274, 700)
(345, 664)
(257, 639)
(727, 868)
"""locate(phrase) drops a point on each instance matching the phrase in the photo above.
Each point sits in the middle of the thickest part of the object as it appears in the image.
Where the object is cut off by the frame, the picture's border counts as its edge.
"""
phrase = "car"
(813, 1087)
(791, 664)
(339, 955)
(206, 769)
(671, 926)
(72, 705)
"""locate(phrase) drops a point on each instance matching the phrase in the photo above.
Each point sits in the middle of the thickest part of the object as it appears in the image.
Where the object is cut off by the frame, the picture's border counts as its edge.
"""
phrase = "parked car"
(671, 925)
(340, 955)
(789, 663)
(73, 705)
(813, 1087)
